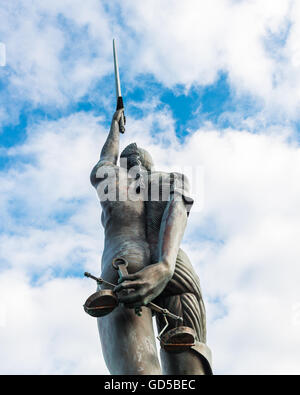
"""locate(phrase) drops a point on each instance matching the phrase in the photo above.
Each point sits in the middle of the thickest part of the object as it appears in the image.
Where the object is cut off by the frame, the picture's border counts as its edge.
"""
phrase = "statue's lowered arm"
(172, 228)
(174, 222)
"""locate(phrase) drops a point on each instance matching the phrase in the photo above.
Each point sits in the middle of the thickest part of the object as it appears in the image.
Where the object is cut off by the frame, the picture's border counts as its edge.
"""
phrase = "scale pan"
(178, 340)
(101, 303)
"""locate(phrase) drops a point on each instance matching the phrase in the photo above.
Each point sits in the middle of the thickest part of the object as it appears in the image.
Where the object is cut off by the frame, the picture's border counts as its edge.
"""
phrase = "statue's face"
(133, 160)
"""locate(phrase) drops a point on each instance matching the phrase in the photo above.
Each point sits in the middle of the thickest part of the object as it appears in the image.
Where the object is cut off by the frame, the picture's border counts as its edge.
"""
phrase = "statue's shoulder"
(101, 170)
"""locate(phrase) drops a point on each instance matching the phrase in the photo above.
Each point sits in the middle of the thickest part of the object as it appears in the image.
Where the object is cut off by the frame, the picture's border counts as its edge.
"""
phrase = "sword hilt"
(120, 104)
(122, 122)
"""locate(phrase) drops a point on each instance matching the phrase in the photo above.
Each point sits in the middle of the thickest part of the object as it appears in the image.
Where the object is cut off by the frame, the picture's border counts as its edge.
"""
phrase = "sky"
(211, 87)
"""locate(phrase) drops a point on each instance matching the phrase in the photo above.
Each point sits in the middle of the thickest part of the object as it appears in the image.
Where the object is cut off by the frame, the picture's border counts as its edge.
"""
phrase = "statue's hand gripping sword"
(120, 104)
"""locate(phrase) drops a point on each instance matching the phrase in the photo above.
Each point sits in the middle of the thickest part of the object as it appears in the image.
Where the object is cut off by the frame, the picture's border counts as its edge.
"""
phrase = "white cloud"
(46, 330)
(244, 243)
(189, 43)
(51, 181)
(249, 254)
(2, 55)
(57, 50)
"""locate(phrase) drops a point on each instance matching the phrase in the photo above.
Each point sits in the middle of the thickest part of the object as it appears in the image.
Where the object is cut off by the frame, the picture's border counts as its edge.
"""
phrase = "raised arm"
(110, 149)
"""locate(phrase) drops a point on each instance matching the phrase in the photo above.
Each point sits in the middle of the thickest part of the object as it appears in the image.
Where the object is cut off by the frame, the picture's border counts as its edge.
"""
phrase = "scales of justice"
(144, 272)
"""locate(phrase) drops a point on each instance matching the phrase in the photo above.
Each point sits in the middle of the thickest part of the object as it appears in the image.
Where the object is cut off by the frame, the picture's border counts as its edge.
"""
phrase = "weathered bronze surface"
(142, 240)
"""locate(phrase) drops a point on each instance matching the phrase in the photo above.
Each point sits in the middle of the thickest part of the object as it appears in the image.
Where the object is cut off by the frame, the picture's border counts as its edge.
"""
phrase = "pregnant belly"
(136, 252)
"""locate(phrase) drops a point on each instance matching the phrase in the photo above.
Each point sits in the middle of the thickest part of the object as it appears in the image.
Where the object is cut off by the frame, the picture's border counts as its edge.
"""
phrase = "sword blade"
(117, 76)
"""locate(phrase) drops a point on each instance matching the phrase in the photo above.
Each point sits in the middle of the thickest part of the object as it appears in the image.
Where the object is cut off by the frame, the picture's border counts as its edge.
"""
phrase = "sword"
(120, 103)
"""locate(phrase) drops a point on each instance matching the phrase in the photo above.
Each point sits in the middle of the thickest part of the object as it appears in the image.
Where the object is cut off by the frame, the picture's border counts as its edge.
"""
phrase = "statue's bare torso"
(132, 226)
(124, 222)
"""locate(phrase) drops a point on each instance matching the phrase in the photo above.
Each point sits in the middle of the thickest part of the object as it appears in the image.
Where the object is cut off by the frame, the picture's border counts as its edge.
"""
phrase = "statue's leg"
(128, 342)
(182, 296)
(187, 362)
(197, 360)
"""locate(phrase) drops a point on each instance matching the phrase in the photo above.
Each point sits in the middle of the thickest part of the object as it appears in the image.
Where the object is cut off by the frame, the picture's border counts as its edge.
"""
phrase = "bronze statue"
(144, 215)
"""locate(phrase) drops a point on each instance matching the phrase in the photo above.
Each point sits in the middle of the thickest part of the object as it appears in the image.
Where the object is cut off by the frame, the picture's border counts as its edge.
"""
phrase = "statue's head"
(135, 156)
